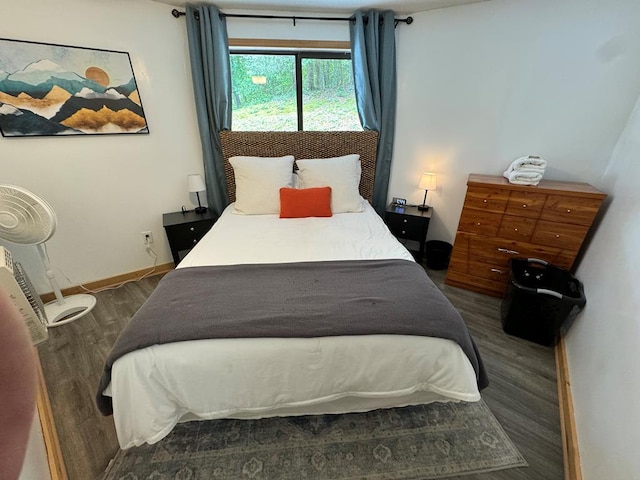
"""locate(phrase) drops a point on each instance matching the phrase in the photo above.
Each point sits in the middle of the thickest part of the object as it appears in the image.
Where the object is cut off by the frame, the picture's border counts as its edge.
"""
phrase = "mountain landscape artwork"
(48, 89)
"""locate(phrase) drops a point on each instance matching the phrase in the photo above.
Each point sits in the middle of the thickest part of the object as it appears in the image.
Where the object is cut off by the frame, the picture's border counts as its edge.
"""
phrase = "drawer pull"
(195, 241)
(484, 201)
(557, 236)
(404, 220)
(568, 210)
(497, 270)
(403, 232)
(192, 229)
(515, 229)
(478, 224)
(510, 252)
(524, 205)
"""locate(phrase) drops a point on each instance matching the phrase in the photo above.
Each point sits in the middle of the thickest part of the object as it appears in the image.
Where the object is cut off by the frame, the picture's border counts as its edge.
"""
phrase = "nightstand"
(409, 223)
(184, 230)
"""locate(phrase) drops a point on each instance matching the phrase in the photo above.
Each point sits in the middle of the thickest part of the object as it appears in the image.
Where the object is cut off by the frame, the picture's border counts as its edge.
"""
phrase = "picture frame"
(48, 89)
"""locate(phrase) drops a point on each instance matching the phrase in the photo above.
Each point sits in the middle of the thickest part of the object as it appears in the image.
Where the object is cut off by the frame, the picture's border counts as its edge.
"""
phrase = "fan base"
(71, 308)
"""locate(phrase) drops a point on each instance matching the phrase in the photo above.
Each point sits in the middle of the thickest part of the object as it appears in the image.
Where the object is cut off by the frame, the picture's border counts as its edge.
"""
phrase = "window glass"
(328, 99)
(264, 92)
(291, 91)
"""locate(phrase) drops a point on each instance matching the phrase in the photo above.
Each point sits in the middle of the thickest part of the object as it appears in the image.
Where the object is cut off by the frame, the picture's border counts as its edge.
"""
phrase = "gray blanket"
(308, 299)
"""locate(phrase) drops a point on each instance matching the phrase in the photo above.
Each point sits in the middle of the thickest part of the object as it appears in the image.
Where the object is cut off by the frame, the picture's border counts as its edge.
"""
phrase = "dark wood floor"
(522, 395)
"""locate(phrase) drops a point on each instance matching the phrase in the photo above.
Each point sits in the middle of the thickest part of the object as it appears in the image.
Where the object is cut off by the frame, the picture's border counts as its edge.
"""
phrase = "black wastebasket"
(541, 301)
(438, 254)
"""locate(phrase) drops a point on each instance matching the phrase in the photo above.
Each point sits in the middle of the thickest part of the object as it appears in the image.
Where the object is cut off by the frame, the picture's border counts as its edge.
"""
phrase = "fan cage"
(25, 218)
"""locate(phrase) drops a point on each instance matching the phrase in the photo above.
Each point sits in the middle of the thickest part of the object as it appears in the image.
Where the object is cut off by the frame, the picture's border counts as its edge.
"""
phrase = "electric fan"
(27, 219)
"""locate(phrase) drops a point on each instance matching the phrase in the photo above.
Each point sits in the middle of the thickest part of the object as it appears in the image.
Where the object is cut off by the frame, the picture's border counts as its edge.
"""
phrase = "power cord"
(149, 251)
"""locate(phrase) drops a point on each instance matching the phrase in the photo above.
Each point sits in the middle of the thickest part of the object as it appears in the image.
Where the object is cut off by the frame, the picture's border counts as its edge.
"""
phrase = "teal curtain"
(211, 73)
(373, 54)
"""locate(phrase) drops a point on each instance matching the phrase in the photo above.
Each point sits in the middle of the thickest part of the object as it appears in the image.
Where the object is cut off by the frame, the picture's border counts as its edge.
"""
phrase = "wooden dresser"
(501, 220)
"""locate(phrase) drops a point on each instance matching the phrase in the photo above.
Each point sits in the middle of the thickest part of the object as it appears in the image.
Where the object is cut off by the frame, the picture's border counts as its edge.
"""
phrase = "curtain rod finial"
(409, 20)
(176, 13)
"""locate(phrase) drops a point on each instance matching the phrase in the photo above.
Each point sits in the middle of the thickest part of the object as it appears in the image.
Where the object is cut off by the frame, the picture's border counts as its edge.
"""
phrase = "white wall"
(284, 29)
(603, 345)
(107, 189)
(481, 85)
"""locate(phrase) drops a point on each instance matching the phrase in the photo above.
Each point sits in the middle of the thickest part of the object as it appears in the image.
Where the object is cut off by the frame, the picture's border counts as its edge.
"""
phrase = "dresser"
(500, 220)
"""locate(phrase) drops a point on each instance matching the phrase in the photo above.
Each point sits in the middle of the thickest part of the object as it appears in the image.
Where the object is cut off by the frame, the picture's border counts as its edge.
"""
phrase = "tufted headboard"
(302, 145)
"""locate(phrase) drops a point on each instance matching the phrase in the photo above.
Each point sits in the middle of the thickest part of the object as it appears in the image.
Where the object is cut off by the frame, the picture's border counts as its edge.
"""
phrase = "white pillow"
(342, 174)
(258, 183)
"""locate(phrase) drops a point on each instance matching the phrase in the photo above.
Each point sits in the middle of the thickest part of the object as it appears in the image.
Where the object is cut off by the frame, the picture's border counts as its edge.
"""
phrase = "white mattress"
(157, 387)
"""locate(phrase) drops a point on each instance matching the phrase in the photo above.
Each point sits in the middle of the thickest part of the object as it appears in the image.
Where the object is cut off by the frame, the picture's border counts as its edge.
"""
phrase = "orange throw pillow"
(305, 202)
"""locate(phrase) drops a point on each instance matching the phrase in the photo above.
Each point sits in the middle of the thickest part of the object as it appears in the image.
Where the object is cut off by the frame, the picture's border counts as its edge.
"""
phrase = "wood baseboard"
(108, 282)
(570, 451)
(57, 470)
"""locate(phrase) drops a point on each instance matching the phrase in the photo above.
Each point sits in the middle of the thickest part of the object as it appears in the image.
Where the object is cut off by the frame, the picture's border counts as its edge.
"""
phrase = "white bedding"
(157, 387)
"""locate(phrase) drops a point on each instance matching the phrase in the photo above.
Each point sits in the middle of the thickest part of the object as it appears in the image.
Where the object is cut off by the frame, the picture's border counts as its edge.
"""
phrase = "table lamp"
(196, 185)
(427, 182)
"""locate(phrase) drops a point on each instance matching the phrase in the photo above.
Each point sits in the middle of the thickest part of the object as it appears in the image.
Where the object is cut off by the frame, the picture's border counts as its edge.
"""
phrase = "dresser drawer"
(488, 199)
(560, 235)
(525, 204)
(185, 236)
(492, 279)
(412, 228)
(482, 223)
(501, 250)
(516, 228)
(494, 272)
(575, 210)
(487, 286)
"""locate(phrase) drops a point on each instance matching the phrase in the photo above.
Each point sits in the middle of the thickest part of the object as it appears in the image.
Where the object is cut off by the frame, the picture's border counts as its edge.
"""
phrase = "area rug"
(417, 442)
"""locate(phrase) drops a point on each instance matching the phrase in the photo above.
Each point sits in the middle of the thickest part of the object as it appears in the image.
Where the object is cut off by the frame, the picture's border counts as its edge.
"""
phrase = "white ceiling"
(403, 7)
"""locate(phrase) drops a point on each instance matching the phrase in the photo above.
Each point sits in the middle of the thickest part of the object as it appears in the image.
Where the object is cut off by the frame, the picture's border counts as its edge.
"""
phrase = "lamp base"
(423, 208)
(200, 209)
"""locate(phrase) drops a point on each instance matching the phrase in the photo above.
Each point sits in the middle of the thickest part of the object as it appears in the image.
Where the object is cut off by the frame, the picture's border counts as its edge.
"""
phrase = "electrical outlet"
(148, 237)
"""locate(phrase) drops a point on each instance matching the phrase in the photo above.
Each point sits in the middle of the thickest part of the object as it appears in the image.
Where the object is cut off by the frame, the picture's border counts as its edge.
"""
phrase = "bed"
(271, 316)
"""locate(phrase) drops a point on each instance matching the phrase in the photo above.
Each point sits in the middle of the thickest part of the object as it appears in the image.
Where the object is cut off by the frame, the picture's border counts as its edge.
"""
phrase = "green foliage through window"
(291, 91)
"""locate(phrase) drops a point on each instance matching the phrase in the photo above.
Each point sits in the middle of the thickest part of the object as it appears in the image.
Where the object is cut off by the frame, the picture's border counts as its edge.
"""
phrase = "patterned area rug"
(418, 442)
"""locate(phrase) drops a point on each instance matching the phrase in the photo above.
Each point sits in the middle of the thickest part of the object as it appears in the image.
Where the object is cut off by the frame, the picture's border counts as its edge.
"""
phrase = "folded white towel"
(524, 177)
(532, 162)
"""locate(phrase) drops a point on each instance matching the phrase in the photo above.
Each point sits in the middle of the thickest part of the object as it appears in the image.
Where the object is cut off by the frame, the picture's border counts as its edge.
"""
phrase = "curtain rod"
(176, 13)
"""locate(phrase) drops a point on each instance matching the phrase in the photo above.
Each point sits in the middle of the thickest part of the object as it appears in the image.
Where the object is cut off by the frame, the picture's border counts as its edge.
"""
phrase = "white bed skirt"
(254, 378)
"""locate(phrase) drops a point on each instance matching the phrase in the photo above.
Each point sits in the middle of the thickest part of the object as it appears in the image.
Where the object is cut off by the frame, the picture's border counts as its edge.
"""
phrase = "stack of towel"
(526, 170)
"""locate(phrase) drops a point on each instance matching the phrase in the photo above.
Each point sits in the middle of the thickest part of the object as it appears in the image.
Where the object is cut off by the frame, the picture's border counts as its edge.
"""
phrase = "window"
(288, 91)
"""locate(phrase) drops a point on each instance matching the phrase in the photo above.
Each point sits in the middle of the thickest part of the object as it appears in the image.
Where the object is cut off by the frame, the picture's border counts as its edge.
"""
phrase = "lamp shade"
(195, 183)
(428, 181)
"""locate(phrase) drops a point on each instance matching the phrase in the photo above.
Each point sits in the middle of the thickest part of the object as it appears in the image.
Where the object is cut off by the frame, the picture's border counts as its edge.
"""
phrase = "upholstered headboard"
(302, 145)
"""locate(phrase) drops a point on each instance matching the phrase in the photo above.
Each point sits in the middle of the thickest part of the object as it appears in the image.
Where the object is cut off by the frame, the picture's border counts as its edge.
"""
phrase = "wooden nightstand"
(184, 230)
(409, 223)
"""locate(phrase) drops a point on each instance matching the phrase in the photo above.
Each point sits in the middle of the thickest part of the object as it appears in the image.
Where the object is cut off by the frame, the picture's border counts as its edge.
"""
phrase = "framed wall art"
(48, 89)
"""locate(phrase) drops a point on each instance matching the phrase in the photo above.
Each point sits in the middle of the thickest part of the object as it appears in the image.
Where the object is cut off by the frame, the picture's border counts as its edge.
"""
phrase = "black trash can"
(541, 301)
(438, 254)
